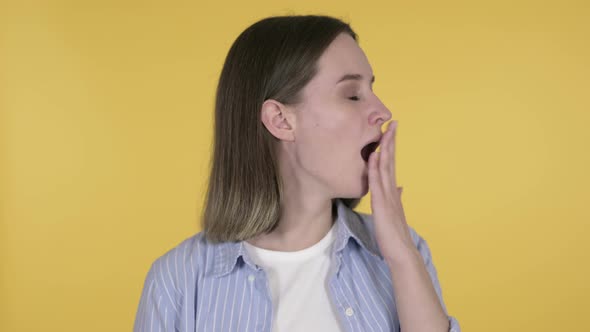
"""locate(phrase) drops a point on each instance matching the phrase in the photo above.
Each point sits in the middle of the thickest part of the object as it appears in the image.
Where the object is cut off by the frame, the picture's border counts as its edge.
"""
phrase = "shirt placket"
(347, 312)
(259, 281)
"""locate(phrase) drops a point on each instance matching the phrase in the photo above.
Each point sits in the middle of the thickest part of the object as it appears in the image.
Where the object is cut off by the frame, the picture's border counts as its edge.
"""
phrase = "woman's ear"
(278, 120)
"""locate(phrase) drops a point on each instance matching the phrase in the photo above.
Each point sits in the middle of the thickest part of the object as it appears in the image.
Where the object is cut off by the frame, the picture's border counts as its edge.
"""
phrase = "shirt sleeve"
(427, 256)
(155, 312)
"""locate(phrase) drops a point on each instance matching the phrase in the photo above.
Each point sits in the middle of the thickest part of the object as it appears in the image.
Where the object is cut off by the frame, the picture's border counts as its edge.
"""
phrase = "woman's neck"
(303, 223)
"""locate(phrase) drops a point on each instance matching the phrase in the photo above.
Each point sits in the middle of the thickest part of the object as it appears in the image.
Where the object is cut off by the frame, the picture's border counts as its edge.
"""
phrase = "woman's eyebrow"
(356, 77)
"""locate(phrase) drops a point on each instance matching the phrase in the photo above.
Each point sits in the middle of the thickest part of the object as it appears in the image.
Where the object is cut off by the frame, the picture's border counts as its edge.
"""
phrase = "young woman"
(296, 128)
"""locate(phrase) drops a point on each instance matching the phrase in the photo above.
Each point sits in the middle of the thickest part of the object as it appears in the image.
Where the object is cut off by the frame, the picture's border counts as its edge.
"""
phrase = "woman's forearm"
(418, 306)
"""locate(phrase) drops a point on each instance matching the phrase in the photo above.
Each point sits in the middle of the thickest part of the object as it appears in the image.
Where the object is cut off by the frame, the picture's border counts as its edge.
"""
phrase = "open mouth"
(368, 149)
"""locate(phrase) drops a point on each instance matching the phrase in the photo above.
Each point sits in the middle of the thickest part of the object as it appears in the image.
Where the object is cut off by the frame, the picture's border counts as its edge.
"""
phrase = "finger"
(375, 182)
(385, 162)
(392, 151)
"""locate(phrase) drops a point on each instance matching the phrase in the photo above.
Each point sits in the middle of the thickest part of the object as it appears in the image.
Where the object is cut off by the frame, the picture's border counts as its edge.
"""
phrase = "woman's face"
(338, 116)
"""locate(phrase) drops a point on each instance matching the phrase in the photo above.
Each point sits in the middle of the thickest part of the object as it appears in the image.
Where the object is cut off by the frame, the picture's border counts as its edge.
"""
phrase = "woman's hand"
(418, 304)
(391, 229)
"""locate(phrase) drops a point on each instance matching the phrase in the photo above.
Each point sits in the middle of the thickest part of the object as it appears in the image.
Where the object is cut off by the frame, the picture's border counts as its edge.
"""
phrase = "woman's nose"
(379, 113)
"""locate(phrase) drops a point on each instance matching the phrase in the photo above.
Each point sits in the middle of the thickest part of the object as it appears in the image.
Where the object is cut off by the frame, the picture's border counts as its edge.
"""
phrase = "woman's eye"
(355, 98)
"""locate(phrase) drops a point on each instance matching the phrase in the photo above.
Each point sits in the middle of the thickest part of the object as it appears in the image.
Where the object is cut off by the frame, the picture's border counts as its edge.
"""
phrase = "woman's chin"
(357, 190)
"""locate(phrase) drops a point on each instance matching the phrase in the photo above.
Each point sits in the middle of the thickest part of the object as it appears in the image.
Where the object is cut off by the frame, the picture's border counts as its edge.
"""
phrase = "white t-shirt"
(299, 286)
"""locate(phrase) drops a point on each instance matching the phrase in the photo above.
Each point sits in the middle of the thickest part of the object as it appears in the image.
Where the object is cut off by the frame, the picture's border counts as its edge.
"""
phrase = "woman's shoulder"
(171, 277)
(182, 263)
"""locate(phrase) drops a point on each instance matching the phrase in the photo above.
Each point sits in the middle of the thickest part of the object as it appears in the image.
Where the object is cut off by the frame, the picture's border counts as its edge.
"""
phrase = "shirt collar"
(349, 224)
(352, 224)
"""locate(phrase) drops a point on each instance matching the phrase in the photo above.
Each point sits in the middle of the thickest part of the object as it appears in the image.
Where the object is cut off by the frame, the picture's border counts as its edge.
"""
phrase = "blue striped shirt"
(200, 286)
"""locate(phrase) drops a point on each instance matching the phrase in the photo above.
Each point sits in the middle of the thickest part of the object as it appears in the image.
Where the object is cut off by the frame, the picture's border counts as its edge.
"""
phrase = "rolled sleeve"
(454, 325)
(424, 250)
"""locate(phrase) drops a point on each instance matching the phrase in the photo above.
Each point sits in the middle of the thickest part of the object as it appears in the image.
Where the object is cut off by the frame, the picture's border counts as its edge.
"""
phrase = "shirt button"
(349, 312)
(251, 278)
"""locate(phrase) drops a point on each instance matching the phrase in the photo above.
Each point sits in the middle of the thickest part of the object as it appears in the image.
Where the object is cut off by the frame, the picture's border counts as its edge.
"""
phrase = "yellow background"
(106, 127)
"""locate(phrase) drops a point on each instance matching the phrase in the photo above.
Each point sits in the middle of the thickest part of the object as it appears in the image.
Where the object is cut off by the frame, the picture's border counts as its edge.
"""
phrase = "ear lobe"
(274, 117)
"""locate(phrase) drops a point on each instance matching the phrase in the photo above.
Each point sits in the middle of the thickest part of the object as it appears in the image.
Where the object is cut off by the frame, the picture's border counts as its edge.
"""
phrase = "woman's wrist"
(406, 256)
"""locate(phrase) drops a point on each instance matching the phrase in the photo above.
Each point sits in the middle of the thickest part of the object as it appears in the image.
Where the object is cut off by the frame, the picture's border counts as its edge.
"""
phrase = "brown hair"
(274, 58)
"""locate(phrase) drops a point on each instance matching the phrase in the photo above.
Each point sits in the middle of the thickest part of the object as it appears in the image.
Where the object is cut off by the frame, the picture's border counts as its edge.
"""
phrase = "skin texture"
(419, 308)
(320, 141)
